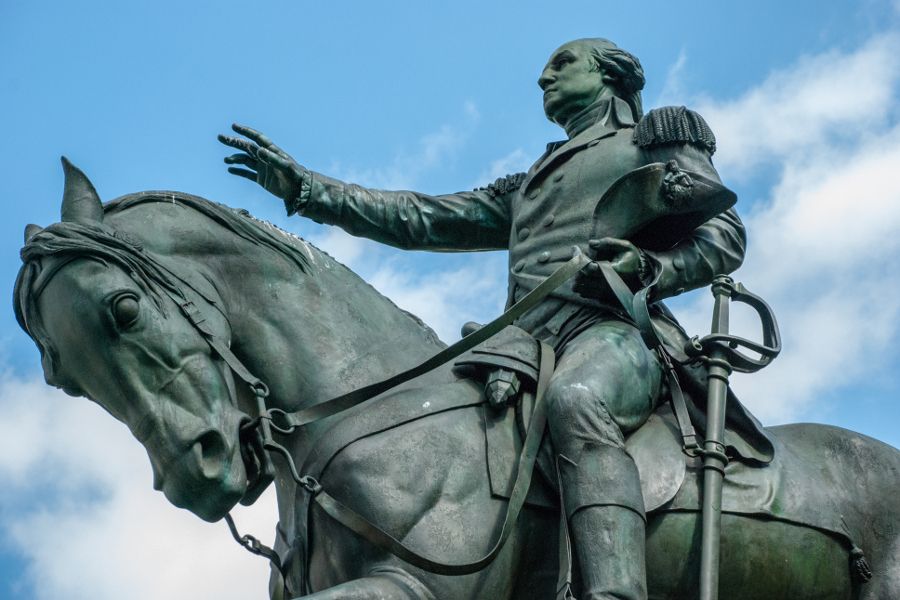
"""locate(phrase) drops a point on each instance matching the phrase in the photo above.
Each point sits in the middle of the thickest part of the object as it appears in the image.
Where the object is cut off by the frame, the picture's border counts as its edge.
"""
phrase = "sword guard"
(728, 345)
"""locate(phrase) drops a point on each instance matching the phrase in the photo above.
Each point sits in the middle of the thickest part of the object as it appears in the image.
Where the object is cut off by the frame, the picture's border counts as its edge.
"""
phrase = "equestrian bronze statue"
(565, 450)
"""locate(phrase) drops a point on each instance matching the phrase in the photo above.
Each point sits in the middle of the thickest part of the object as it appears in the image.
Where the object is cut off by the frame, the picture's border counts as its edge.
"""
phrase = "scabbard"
(714, 457)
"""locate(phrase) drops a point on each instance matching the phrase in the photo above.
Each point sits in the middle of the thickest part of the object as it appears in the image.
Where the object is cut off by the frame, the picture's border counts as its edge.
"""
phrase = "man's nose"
(545, 79)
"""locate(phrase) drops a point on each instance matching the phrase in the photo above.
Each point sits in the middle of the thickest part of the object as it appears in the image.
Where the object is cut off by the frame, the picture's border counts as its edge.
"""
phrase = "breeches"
(606, 384)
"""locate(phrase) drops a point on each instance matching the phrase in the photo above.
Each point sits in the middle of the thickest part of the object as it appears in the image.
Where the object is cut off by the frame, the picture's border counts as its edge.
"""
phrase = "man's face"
(571, 82)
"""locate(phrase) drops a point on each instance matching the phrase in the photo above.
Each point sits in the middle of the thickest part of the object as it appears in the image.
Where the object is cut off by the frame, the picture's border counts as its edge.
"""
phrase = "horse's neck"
(309, 336)
(321, 333)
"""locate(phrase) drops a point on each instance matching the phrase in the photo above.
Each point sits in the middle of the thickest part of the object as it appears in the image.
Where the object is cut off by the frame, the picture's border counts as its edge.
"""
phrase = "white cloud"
(821, 245)
(515, 162)
(77, 503)
(404, 171)
(342, 246)
(797, 112)
(447, 299)
(673, 91)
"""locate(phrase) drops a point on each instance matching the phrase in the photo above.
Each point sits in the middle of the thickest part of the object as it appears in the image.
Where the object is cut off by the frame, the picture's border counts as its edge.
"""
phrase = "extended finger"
(270, 157)
(607, 248)
(245, 145)
(591, 269)
(242, 159)
(251, 175)
(259, 137)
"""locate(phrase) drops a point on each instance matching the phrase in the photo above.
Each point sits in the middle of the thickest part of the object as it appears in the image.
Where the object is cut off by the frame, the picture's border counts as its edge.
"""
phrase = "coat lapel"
(612, 121)
(595, 132)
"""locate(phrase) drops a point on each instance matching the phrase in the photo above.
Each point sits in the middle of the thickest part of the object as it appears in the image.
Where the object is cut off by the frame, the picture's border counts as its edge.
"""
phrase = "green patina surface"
(169, 310)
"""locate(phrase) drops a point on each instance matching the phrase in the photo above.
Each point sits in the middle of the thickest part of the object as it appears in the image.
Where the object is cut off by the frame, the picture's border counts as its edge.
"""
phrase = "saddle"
(671, 480)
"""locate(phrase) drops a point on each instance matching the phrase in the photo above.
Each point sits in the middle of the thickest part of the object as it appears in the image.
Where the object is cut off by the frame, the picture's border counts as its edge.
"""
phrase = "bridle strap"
(635, 306)
(197, 319)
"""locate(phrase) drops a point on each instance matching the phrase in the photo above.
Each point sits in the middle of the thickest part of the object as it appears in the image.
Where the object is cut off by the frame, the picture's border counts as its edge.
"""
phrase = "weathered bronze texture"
(239, 355)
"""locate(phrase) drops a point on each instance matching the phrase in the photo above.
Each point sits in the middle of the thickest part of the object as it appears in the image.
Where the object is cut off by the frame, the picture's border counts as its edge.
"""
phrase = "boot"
(605, 510)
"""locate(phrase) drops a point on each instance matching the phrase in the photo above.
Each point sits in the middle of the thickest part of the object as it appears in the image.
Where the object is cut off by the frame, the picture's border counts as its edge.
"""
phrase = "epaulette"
(503, 185)
(674, 125)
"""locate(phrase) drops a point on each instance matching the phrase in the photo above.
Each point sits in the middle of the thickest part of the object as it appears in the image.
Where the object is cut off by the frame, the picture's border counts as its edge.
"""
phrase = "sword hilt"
(725, 344)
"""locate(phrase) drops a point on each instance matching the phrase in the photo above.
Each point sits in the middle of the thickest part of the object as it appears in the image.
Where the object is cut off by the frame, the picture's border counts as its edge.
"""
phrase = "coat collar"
(614, 116)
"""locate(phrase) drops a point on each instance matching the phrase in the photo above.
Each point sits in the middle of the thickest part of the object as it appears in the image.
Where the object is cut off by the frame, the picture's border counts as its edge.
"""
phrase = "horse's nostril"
(211, 454)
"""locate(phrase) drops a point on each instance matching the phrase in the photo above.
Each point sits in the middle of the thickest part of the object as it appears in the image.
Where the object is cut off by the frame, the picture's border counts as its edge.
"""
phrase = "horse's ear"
(80, 204)
(30, 230)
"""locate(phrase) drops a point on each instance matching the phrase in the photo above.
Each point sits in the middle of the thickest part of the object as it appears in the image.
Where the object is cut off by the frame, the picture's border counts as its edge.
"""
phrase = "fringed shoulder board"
(503, 185)
(674, 125)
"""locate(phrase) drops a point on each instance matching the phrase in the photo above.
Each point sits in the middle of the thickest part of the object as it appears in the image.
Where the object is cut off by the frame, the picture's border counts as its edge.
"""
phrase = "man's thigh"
(606, 383)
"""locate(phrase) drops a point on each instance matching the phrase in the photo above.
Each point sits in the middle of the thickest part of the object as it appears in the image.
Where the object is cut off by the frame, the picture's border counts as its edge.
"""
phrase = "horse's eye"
(125, 310)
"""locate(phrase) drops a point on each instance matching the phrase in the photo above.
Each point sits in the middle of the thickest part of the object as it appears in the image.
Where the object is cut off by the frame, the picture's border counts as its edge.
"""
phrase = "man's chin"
(551, 110)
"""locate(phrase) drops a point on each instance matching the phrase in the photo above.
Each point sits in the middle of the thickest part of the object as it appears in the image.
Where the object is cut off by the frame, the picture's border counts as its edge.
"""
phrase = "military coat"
(540, 215)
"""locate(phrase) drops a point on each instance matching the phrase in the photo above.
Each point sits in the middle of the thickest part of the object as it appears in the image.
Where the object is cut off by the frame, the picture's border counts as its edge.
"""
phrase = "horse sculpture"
(123, 299)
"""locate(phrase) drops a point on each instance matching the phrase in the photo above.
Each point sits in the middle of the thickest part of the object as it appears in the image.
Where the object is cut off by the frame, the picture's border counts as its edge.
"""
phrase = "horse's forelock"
(49, 251)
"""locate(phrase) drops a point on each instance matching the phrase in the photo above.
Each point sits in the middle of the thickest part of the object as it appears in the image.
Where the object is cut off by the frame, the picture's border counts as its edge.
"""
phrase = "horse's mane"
(48, 250)
(238, 221)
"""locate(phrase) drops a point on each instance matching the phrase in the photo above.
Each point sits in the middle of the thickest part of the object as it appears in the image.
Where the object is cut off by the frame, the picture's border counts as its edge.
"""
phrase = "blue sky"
(437, 97)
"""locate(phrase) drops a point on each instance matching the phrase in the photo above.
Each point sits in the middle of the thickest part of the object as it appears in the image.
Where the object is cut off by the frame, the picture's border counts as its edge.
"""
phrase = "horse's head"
(106, 317)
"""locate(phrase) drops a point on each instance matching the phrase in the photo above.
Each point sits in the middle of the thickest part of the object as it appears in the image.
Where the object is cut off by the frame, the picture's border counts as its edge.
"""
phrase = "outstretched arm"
(478, 220)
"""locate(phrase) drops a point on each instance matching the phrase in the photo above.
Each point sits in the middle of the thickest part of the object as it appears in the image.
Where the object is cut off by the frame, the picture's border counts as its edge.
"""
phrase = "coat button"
(524, 233)
(544, 257)
(519, 266)
(558, 176)
(535, 193)
(678, 263)
(549, 220)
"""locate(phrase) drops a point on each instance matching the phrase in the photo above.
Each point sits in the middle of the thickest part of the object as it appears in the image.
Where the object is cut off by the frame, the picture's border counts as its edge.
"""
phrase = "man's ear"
(605, 75)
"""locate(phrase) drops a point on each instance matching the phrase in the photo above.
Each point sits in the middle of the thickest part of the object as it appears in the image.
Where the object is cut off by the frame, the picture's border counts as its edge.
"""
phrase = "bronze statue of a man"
(607, 381)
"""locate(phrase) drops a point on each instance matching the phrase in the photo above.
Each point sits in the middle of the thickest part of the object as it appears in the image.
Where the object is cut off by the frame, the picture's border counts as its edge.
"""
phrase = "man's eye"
(125, 310)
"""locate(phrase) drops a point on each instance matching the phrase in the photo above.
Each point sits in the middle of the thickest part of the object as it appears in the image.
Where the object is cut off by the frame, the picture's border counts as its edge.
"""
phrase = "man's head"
(582, 71)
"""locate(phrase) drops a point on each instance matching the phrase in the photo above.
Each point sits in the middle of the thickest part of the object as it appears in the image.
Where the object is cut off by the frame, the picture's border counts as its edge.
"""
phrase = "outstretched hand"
(266, 164)
(625, 259)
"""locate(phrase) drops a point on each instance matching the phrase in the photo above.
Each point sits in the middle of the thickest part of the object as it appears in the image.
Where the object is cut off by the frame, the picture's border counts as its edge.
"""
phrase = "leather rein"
(276, 421)
(272, 420)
